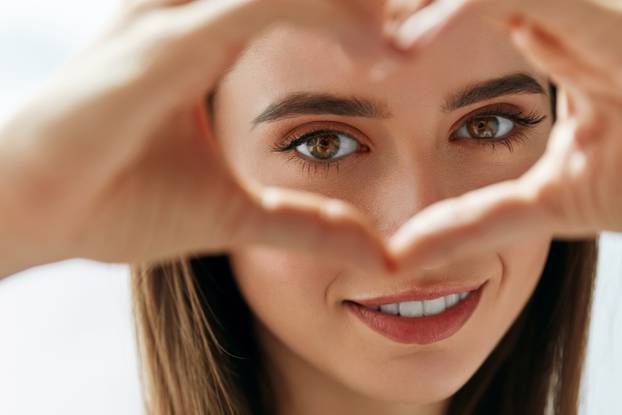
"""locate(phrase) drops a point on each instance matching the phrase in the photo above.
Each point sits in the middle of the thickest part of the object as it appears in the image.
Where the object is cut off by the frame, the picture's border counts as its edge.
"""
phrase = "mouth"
(418, 317)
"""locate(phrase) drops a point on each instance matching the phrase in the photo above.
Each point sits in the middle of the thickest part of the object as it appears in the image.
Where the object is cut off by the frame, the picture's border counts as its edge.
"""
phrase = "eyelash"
(522, 121)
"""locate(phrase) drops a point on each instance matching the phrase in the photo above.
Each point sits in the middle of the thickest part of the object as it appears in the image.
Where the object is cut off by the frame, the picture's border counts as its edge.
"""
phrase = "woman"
(269, 328)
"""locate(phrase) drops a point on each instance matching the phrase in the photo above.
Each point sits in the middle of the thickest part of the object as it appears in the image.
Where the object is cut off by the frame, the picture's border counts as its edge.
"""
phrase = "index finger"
(599, 20)
(196, 42)
(476, 222)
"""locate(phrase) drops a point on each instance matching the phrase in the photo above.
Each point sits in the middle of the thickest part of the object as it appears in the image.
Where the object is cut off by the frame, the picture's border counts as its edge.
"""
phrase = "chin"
(421, 379)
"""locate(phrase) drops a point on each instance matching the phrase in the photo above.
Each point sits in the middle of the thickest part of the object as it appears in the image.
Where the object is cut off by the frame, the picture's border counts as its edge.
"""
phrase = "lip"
(420, 330)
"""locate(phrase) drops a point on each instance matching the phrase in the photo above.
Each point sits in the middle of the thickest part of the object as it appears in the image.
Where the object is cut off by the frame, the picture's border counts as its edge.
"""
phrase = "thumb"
(306, 222)
(476, 222)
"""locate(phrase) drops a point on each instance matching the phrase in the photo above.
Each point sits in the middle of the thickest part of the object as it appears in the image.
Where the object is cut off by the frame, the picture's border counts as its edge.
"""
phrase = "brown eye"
(483, 127)
(325, 145)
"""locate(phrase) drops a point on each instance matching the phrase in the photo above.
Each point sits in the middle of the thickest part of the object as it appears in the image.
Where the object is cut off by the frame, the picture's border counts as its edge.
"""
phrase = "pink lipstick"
(418, 317)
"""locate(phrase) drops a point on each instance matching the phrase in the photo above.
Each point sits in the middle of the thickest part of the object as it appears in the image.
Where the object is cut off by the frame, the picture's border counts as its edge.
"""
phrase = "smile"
(423, 321)
(422, 308)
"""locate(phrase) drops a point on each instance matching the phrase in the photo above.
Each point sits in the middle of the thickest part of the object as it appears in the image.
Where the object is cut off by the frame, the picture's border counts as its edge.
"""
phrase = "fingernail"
(270, 198)
(407, 33)
(422, 24)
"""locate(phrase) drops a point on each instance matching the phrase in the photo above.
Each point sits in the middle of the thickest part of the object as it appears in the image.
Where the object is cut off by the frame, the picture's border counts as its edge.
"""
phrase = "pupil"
(324, 147)
(486, 127)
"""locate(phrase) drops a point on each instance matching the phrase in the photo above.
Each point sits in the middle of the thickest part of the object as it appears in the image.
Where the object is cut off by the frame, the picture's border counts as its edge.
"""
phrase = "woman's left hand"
(575, 189)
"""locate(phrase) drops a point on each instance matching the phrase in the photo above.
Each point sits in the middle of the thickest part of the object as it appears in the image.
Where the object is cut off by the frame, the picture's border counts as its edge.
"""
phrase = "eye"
(322, 147)
(482, 127)
(326, 145)
(497, 124)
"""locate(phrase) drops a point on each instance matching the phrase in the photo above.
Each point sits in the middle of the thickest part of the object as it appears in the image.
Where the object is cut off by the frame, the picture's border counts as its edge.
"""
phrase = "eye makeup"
(484, 122)
(321, 133)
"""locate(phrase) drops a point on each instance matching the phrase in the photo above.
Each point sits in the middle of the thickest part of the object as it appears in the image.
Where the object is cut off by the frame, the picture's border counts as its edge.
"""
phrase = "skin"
(574, 189)
(91, 174)
(126, 171)
(324, 360)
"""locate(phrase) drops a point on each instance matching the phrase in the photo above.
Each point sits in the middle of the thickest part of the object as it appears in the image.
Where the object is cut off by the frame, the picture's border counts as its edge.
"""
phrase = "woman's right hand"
(115, 159)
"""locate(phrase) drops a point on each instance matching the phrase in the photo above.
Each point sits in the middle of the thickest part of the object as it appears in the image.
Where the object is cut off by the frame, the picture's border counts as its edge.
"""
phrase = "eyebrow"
(517, 83)
(302, 103)
(305, 103)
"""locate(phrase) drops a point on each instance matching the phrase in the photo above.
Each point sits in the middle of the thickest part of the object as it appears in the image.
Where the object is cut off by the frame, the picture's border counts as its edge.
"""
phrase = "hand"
(575, 189)
(115, 159)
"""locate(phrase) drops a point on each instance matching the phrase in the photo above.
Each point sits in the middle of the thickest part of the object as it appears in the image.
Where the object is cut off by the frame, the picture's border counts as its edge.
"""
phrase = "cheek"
(290, 296)
(286, 290)
(297, 325)
(266, 271)
(523, 266)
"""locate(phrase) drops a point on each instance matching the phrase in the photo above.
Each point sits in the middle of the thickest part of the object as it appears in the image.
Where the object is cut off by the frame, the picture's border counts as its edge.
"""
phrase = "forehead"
(288, 59)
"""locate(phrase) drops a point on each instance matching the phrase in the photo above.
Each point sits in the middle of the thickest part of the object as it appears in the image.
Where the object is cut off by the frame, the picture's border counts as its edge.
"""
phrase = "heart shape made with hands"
(573, 191)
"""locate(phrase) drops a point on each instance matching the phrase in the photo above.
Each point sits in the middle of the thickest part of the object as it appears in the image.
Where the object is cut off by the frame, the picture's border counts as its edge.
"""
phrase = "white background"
(66, 335)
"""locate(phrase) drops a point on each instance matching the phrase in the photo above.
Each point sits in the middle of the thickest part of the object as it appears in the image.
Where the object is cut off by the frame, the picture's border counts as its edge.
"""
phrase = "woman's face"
(390, 163)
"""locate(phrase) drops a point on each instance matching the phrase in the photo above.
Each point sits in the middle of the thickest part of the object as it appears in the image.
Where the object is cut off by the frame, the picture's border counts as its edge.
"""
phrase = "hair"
(200, 355)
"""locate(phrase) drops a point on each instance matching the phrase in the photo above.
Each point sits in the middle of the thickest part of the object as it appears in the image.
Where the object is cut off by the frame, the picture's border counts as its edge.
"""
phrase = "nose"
(411, 185)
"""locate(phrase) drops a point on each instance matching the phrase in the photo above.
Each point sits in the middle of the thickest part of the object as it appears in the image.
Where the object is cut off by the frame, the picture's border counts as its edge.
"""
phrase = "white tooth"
(390, 308)
(463, 295)
(432, 307)
(451, 300)
(411, 309)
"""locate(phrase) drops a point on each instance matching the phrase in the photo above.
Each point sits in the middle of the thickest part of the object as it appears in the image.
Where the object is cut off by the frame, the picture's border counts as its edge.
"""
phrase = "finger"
(581, 81)
(561, 17)
(424, 26)
(480, 221)
(564, 103)
(203, 38)
(316, 225)
(597, 22)
(397, 11)
(551, 55)
(153, 63)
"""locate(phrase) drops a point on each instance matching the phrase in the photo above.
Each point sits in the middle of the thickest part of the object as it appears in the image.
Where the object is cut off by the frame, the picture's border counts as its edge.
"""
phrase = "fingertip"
(335, 209)
(270, 198)
(406, 34)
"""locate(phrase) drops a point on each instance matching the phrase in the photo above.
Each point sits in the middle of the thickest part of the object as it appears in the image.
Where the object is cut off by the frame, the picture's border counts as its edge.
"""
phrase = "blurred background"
(67, 343)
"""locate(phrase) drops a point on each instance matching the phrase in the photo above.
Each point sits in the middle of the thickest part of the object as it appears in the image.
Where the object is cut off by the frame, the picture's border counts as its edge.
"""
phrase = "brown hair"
(200, 355)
